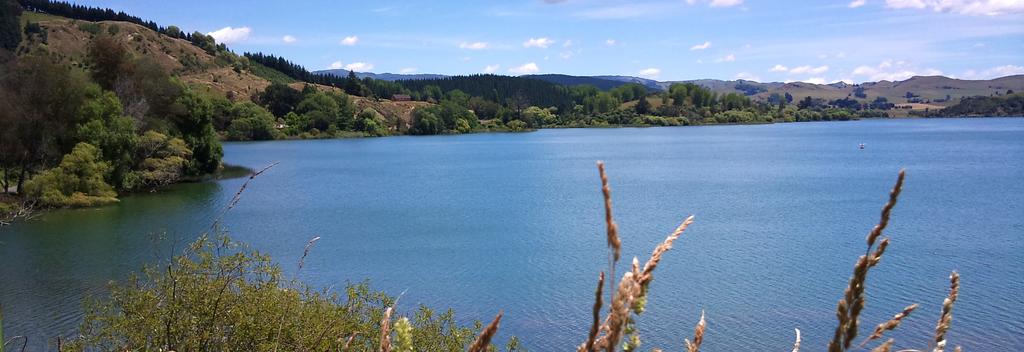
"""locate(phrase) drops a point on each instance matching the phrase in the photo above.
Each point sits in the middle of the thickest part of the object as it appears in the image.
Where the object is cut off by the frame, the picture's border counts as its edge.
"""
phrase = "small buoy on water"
(862, 146)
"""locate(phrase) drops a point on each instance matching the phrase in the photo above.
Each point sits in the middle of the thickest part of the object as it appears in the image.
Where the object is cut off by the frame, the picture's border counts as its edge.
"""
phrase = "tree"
(425, 121)
(280, 99)
(322, 111)
(38, 112)
(194, 120)
(601, 103)
(108, 59)
(164, 160)
(113, 133)
(352, 84)
(535, 116)
(643, 106)
(10, 25)
(371, 122)
(250, 122)
(77, 182)
(173, 31)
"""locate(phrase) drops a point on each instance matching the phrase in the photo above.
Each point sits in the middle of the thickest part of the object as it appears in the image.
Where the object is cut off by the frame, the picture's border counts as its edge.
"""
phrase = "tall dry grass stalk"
(698, 336)
(629, 296)
(796, 345)
(884, 347)
(890, 324)
(385, 329)
(947, 313)
(852, 304)
(613, 229)
(596, 323)
(238, 195)
(484, 340)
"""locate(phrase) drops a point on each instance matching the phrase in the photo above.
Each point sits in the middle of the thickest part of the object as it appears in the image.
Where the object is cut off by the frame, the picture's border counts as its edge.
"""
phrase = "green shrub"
(77, 182)
(222, 296)
(517, 125)
(164, 160)
(372, 123)
(89, 27)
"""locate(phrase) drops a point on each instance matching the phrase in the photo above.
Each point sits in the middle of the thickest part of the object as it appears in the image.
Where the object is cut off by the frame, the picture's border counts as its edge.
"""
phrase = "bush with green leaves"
(77, 182)
(372, 123)
(223, 296)
(164, 160)
(252, 122)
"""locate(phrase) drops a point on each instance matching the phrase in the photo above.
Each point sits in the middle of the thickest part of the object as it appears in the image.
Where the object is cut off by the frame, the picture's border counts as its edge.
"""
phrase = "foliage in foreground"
(222, 296)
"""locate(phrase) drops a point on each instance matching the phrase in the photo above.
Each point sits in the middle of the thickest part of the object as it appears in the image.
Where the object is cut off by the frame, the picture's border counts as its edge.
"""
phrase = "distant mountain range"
(935, 90)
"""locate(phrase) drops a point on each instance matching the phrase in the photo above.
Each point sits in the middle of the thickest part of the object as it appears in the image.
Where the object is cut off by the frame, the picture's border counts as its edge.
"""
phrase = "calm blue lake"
(514, 222)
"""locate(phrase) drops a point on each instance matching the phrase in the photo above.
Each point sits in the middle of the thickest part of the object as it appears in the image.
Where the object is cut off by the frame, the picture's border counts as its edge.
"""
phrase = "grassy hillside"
(71, 39)
(932, 91)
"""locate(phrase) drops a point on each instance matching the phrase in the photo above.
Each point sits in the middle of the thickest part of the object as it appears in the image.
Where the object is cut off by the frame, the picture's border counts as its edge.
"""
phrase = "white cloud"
(407, 70)
(857, 3)
(892, 71)
(815, 80)
(491, 68)
(349, 41)
(650, 72)
(228, 35)
(610, 42)
(995, 72)
(336, 65)
(727, 58)
(526, 68)
(473, 45)
(964, 7)
(808, 69)
(703, 46)
(543, 43)
(288, 39)
(725, 3)
(747, 76)
(1006, 70)
(567, 44)
(779, 68)
(359, 66)
(565, 55)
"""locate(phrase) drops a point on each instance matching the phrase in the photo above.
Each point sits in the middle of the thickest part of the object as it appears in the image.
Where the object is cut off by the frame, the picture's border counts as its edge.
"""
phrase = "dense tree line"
(515, 92)
(1007, 105)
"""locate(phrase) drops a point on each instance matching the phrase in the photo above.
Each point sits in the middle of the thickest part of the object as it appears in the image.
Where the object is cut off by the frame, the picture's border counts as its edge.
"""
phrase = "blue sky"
(813, 41)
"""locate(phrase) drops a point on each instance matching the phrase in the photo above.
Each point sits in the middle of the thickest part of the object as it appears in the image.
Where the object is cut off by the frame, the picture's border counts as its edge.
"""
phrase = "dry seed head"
(484, 339)
(884, 347)
(887, 209)
(621, 307)
(796, 345)
(698, 335)
(890, 324)
(589, 345)
(947, 312)
(648, 272)
(613, 229)
(385, 330)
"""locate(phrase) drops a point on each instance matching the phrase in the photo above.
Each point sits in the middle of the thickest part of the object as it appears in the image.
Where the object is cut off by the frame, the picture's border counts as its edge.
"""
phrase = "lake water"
(514, 222)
